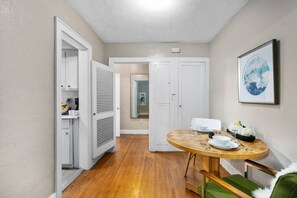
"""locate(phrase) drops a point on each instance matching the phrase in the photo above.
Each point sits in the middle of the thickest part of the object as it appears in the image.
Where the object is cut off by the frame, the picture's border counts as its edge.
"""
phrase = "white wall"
(27, 92)
(258, 22)
(154, 50)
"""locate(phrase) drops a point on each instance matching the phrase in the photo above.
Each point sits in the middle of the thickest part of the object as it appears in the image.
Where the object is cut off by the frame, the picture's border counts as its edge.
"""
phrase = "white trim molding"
(53, 196)
(135, 131)
(64, 33)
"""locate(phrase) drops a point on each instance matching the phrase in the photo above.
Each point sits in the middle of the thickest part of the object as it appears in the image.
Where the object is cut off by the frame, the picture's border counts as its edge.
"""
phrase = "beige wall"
(125, 71)
(258, 22)
(155, 50)
(27, 93)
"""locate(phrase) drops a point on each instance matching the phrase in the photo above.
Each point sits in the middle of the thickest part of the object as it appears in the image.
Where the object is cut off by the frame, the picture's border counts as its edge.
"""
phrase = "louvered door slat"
(103, 108)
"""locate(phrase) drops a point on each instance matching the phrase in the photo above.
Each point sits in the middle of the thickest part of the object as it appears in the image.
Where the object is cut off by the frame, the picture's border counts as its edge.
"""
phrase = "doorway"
(72, 90)
(132, 92)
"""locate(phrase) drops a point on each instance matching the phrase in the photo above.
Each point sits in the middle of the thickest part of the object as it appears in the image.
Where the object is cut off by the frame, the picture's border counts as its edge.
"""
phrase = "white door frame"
(117, 104)
(130, 60)
(64, 32)
(150, 60)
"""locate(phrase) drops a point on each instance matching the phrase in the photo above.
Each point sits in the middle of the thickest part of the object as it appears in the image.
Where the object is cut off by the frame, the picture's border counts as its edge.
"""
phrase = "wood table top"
(195, 142)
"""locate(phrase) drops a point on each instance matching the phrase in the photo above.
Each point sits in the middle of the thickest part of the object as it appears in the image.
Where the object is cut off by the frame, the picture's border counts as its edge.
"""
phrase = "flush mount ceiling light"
(156, 5)
(153, 21)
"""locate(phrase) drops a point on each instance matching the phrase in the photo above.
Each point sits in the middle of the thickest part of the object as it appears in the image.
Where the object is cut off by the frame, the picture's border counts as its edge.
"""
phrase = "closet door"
(163, 99)
(193, 91)
(103, 134)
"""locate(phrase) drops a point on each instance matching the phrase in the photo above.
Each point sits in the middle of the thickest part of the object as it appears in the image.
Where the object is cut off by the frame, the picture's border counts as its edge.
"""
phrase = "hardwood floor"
(143, 116)
(133, 171)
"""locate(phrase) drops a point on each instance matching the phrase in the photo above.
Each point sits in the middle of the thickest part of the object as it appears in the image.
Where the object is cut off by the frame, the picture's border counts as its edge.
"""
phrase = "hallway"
(133, 171)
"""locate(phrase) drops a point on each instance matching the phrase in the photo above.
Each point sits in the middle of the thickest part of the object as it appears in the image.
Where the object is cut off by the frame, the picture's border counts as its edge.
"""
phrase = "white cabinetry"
(69, 72)
(179, 92)
(67, 143)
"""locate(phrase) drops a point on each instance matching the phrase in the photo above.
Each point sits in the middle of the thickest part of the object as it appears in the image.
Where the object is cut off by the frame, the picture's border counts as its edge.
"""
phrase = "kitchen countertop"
(69, 117)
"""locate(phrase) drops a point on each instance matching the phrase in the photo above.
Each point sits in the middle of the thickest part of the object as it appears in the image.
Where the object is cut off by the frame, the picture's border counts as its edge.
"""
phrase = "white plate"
(199, 130)
(228, 146)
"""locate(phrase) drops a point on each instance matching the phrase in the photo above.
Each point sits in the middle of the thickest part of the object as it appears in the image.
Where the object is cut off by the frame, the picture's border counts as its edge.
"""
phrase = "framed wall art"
(142, 98)
(257, 75)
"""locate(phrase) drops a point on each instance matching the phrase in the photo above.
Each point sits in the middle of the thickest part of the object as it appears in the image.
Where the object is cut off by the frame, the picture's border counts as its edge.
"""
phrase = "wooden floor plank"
(134, 172)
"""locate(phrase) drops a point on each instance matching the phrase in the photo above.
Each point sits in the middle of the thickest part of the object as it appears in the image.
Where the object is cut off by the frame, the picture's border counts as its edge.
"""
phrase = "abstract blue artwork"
(256, 74)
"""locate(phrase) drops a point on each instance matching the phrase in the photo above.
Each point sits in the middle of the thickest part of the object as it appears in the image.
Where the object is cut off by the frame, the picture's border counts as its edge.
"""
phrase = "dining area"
(206, 139)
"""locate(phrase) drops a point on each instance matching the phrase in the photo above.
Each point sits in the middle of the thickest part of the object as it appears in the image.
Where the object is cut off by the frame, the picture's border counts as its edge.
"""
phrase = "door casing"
(64, 33)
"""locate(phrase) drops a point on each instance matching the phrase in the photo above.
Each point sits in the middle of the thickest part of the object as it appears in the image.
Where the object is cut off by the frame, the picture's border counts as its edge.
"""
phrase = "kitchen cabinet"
(69, 71)
(67, 143)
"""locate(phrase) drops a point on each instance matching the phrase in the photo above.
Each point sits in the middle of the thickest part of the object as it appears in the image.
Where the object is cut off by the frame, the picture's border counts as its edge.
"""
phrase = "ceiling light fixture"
(156, 5)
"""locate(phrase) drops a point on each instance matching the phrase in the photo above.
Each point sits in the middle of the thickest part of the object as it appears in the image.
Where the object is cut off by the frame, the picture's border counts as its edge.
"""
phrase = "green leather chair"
(239, 186)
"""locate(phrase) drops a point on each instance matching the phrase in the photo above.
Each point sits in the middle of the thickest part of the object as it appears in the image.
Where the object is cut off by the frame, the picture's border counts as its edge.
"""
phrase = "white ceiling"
(188, 21)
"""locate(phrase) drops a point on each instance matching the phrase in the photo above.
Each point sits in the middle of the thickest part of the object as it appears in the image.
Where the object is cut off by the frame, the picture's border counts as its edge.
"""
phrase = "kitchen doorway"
(72, 81)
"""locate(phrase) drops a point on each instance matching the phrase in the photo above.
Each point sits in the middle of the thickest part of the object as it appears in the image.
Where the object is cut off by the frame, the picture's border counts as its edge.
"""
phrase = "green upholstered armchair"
(239, 186)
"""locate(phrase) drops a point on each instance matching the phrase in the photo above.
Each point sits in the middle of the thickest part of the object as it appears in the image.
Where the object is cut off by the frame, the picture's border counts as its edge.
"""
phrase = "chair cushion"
(286, 186)
(238, 181)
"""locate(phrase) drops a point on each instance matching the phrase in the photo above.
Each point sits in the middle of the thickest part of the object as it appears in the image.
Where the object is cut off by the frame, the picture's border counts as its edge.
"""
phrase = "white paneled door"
(179, 92)
(103, 133)
(163, 107)
(193, 91)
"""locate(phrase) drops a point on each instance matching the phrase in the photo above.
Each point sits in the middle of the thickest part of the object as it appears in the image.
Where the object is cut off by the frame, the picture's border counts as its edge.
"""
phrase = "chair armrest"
(223, 184)
(260, 167)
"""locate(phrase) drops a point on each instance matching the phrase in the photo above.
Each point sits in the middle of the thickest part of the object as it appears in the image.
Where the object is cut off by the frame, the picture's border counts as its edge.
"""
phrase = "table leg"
(211, 165)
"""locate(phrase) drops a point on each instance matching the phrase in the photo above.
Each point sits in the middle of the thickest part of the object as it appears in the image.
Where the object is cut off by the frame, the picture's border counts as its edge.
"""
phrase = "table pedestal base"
(211, 165)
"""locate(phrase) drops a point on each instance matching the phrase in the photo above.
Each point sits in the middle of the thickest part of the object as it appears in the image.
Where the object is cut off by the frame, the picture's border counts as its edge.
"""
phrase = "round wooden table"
(197, 143)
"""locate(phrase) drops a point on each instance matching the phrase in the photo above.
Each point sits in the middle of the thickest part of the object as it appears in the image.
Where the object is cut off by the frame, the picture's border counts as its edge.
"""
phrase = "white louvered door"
(103, 135)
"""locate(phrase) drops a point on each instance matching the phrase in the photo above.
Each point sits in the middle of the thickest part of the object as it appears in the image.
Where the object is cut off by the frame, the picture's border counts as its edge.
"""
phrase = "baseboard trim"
(53, 195)
(134, 132)
(143, 113)
(228, 167)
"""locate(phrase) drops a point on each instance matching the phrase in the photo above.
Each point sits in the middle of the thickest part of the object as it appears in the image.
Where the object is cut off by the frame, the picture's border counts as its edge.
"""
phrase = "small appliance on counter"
(76, 104)
(70, 107)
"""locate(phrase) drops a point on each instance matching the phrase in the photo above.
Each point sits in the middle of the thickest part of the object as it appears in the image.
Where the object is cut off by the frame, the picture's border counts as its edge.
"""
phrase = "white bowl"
(221, 139)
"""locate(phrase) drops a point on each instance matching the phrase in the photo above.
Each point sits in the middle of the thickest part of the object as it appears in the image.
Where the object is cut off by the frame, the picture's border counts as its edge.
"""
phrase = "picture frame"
(142, 98)
(258, 75)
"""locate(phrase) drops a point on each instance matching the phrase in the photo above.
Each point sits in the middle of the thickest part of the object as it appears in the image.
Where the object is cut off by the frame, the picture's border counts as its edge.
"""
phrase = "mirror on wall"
(139, 96)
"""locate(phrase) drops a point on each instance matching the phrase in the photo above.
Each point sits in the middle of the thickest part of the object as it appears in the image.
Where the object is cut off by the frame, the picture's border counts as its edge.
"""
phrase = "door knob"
(94, 113)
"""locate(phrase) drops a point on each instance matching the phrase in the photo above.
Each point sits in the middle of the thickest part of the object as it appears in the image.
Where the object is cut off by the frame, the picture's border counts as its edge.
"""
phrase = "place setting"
(200, 129)
(223, 142)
